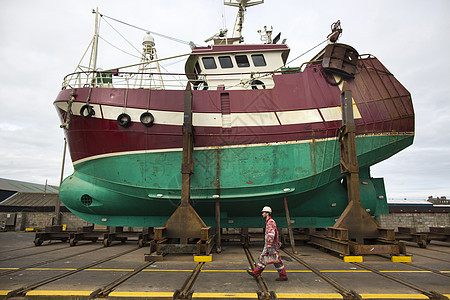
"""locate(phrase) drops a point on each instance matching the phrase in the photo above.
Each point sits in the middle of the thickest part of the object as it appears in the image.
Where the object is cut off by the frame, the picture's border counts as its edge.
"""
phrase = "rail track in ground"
(264, 293)
(421, 267)
(430, 257)
(48, 261)
(104, 291)
(32, 254)
(21, 292)
(430, 294)
(18, 249)
(351, 294)
(407, 279)
(186, 291)
(346, 293)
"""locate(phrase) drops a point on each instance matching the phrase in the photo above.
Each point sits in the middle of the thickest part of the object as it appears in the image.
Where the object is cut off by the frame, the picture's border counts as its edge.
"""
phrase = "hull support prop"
(288, 220)
(184, 232)
(355, 232)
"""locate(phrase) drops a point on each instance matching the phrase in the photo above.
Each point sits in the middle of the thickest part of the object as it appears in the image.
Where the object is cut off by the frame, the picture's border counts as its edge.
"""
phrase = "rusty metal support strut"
(355, 232)
(185, 226)
(355, 218)
(185, 223)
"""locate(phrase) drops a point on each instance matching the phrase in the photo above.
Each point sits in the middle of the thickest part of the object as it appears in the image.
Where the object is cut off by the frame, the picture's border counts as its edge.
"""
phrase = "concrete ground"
(22, 265)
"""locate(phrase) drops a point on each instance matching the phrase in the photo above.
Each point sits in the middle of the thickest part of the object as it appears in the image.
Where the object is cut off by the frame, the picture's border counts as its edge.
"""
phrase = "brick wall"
(36, 219)
(420, 221)
(72, 221)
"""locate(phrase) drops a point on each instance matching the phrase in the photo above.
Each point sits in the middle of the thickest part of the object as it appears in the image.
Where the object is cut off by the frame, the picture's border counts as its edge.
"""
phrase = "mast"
(93, 60)
(93, 47)
(242, 5)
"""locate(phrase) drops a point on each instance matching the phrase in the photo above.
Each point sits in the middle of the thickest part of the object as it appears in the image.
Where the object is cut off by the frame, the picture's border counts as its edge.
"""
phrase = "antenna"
(222, 33)
(266, 36)
(149, 63)
(242, 5)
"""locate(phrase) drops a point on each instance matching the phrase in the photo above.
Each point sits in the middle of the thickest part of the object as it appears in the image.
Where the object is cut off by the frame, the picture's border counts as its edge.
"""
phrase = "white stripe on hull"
(274, 118)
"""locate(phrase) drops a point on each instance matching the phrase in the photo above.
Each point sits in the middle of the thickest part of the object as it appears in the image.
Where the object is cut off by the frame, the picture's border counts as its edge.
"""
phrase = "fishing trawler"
(264, 131)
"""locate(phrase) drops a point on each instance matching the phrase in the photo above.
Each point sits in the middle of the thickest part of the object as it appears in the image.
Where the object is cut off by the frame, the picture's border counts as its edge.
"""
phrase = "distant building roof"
(31, 200)
(409, 201)
(26, 187)
(437, 200)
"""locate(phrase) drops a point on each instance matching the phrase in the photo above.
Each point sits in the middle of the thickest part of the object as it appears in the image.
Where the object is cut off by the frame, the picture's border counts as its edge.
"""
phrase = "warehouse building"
(29, 205)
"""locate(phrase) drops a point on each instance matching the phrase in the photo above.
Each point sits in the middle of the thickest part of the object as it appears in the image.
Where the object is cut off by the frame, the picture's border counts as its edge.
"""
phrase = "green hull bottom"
(143, 189)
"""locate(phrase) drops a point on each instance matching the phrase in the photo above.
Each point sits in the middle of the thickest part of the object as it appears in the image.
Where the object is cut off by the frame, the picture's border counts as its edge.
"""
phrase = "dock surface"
(90, 270)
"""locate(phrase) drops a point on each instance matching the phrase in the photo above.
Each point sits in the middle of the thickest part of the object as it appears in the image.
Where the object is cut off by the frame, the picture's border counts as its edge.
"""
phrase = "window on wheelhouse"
(258, 60)
(225, 62)
(242, 61)
(209, 63)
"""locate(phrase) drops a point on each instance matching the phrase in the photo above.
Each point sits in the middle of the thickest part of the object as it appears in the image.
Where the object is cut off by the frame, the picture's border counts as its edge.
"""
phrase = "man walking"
(270, 252)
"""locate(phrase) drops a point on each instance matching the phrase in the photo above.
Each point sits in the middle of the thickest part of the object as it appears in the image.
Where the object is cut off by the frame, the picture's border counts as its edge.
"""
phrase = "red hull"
(384, 104)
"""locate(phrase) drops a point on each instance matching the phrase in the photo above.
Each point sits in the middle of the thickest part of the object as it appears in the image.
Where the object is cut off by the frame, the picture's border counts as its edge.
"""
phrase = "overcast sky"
(42, 41)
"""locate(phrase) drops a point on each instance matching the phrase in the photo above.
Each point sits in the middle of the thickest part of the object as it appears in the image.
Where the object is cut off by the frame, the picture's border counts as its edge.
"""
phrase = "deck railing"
(169, 81)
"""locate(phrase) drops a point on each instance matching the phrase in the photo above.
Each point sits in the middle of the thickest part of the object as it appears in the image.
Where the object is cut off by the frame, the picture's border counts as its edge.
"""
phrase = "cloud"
(10, 127)
(42, 41)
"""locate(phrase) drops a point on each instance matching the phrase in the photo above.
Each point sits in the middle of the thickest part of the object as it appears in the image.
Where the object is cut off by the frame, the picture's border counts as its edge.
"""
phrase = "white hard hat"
(266, 209)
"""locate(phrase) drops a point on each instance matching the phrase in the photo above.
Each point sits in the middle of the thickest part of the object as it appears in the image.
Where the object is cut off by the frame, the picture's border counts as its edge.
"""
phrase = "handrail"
(310, 62)
(154, 80)
(115, 71)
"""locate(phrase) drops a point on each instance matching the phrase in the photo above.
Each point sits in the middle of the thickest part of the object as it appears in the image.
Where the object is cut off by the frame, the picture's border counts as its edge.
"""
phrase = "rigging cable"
(118, 47)
(173, 76)
(307, 51)
(279, 68)
(146, 30)
(138, 51)
(224, 20)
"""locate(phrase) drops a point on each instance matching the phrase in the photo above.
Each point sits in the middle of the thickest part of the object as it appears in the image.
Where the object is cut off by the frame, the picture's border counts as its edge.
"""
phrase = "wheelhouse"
(235, 67)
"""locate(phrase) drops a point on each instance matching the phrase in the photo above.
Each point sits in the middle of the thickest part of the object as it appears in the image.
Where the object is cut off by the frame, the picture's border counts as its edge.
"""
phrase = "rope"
(146, 30)
(69, 111)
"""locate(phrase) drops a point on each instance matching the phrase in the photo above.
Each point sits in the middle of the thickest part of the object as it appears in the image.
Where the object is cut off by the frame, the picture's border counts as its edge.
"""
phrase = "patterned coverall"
(271, 238)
